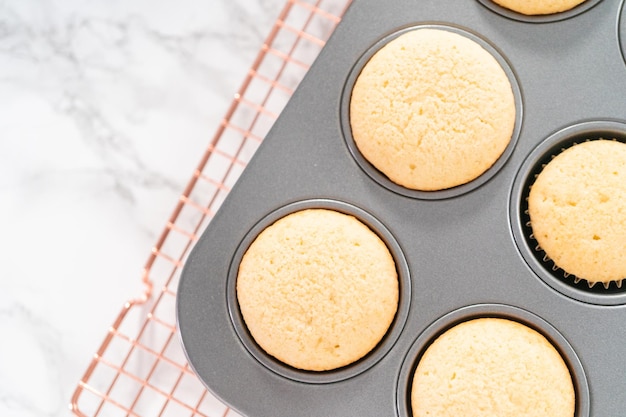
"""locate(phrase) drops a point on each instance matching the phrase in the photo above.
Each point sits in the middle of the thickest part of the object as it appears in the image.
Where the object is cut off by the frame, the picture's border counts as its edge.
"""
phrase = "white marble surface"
(105, 109)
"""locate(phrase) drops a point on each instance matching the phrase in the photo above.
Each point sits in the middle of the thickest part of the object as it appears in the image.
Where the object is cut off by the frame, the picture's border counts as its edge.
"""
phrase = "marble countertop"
(105, 110)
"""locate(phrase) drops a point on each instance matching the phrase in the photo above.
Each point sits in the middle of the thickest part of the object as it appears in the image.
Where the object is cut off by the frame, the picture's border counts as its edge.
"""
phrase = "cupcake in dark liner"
(576, 214)
(513, 358)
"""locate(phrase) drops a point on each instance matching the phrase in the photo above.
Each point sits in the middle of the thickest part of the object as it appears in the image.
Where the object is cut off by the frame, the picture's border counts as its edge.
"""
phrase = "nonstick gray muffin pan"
(461, 253)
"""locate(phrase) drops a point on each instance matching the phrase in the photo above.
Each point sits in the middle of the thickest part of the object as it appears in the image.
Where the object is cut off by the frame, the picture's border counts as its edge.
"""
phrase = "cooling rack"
(140, 368)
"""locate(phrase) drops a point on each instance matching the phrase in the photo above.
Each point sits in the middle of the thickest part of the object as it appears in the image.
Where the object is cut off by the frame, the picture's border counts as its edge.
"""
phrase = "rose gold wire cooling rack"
(140, 368)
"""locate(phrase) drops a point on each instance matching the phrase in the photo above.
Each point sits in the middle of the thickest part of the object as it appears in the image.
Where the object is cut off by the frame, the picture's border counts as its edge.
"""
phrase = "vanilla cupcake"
(317, 289)
(432, 109)
(492, 367)
(538, 7)
(577, 209)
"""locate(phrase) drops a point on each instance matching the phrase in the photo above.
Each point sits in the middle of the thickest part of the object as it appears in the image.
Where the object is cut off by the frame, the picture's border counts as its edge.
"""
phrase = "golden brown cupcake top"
(318, 289)
(577, 209)
(432, 109)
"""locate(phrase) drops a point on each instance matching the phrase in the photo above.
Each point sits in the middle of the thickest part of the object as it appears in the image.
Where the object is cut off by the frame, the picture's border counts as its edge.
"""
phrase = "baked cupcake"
(432, 109)
(317, 289)
(492, 367)
(538, 7)
(577, 209)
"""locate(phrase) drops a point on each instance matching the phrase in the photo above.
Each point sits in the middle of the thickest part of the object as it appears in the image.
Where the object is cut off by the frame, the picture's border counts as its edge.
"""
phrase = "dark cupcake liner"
(612, 293)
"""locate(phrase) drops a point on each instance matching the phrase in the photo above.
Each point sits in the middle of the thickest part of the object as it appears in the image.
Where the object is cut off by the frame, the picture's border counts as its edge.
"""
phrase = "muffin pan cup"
(369, 360)
(381, 178)
(428, 336)
(613, 293)
(461, 251)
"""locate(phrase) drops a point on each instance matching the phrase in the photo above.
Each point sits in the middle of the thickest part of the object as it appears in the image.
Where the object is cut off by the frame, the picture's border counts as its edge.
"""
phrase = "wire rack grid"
(140, 368)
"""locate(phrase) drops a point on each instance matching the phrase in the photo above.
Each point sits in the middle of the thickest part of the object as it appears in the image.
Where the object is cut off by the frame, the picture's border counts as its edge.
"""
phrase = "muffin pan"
(461, 253)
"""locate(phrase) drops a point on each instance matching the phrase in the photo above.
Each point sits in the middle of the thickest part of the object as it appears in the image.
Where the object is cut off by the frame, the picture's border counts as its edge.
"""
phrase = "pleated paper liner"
(609, 293)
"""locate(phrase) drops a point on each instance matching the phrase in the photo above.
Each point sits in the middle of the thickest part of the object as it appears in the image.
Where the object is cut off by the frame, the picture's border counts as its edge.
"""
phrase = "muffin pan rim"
(621, 29)
(395, 328)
